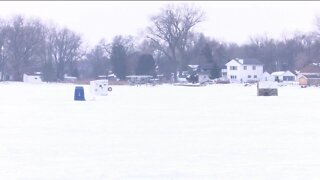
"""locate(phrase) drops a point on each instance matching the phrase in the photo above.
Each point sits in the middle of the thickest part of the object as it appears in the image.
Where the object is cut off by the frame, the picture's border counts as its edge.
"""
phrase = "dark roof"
(312, 76)
(311, 68)
(206, 66)
(251, 61)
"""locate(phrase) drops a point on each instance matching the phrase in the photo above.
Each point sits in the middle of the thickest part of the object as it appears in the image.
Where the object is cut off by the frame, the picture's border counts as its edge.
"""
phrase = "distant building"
(70, 79)
(309, 80)
(204, 72)
(284, 76)
(309, 75)
(266, 77)
(243, 70)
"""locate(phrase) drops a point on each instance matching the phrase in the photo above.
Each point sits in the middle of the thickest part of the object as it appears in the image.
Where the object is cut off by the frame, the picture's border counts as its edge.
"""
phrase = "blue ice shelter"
(79, 93)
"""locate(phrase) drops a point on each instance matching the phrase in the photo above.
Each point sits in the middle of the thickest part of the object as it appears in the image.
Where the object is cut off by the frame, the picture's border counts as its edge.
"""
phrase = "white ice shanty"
(32, 77)
(267, 88)
(100, 87)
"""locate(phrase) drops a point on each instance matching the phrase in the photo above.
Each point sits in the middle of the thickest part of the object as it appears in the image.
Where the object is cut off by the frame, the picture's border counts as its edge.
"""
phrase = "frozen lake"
(219, 132)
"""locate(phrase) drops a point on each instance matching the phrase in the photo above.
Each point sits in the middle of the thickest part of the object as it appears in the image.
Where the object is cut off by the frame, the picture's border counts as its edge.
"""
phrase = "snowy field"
(216, 132)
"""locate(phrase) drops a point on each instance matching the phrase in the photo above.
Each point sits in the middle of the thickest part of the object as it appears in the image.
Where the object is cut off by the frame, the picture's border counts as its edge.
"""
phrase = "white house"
(244, 70)
(284, 76)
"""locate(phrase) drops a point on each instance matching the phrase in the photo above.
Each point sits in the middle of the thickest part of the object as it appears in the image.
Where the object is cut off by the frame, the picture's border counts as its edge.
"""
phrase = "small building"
(139, 79)
(70, 79)
(309, 75)
(266, 77)
(267, 88)
(32, 77)
(102, 77)
(309, 80)
(112, 77)
(284, 76)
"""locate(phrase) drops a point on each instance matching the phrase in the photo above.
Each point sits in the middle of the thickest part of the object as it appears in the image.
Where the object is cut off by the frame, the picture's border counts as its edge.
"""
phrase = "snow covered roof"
(277, 73)
(267, 85)
(282, 73)
(111, 75)
(193, 66)
(34, 74)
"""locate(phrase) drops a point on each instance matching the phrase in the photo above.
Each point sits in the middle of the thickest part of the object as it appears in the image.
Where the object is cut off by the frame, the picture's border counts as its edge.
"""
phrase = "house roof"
(277, 73)
(252, 61)
(34, 74)
(311, 76)
(311, 68)
(249, 61)
(282, 73)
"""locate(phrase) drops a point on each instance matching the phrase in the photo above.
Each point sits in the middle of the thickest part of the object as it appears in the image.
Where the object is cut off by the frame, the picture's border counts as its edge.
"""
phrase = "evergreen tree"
(146, 65)
(118, 60)
(49, 74)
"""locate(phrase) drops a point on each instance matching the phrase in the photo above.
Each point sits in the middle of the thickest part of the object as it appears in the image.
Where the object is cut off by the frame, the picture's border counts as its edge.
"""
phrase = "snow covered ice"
(218, 132)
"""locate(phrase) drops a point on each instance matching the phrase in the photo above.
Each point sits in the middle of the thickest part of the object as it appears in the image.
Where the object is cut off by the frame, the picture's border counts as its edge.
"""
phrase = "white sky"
(226, 21)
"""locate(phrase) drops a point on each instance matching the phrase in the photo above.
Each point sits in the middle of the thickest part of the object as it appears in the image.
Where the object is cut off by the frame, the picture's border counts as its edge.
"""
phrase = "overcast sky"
(226, 21)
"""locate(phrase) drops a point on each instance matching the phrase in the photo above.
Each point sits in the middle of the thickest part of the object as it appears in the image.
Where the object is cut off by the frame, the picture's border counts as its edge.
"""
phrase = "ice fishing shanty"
(267, 88)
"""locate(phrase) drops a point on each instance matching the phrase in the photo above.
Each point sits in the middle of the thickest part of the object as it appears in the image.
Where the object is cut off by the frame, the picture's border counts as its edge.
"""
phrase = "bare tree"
(106, 47)
(99, 61)
(65, 50)
(49, 72)
(24, 41)
(122, 48)
(3, 50)
(171, 29)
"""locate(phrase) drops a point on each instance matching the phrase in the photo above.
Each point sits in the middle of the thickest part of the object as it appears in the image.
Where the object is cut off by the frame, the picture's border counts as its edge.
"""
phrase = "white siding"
(241, 74)
(266, 77)
(233, 75)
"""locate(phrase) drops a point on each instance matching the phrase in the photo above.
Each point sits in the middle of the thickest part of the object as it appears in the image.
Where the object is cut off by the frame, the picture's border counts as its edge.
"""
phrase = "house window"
(288, 78)
(253, 67)
(255, 76)
(249, 76)
(233, 77)
(244, 67)
(233, 67)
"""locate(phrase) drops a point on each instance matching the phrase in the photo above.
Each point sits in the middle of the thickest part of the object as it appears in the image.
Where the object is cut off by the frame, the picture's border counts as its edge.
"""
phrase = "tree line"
(170, 44)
